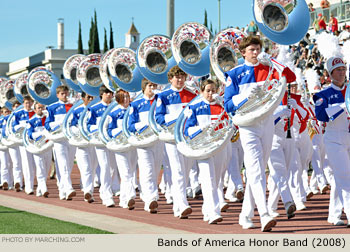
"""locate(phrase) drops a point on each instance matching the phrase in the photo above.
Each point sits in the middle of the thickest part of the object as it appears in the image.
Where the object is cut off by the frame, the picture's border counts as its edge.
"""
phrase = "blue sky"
(28, 27)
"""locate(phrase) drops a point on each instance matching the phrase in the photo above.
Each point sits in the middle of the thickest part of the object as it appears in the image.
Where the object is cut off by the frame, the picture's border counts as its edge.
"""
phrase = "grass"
(14, 221)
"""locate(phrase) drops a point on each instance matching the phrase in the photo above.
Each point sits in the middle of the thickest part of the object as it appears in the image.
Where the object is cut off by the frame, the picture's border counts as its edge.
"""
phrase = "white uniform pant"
(43, 164)
(107, 165)
(87, 163)
(28, 169)
(16, 165)
(167, 175)
(256, 143)
(6, 167)
(193, 182)
(64, 154)
(279, 164)
(339, 159)
(317, 162)
(210, 173)
(235, 164)
(126, 162)
(180, 168)
(149, 161)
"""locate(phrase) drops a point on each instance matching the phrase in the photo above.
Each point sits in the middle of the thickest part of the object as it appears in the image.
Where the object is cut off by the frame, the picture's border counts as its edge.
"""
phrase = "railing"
(341, 11)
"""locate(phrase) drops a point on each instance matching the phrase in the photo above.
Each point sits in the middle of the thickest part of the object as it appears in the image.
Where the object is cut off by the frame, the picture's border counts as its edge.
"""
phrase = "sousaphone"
(284, 22)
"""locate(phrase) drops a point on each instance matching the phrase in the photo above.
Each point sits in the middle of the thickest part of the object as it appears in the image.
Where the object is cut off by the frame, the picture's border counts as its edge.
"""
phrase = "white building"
(132, 37)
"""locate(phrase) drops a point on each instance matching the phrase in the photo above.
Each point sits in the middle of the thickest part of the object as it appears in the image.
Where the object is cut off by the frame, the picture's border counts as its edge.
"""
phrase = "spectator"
(321, 23)
(345, 34)
(295, 53)
(252, 28)
(301, 62)
(326, 76)
(311, 7)
(333, 24)
(324, 4)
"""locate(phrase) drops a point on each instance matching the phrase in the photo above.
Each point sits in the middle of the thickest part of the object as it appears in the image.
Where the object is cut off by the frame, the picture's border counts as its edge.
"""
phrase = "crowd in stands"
(305, 53)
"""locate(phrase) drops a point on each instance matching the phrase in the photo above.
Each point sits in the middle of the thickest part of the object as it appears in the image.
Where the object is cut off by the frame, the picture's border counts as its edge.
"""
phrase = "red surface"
(311, 221)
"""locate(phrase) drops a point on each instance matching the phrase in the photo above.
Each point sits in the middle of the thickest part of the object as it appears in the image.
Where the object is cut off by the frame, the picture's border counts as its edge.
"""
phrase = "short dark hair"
(104, 89)
(62, 88)
(175, 71)
(27, 98)
(250, 40)
(83, 94)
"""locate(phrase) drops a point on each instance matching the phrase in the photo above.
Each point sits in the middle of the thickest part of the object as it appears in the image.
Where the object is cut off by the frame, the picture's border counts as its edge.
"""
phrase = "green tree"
(205, 18)
(91, 36)
(111, 42)
(80, 42)
(96, 42)
(211, 27)
(105, 45)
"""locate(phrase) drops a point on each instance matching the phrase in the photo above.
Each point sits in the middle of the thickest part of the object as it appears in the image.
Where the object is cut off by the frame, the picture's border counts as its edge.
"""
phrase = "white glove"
(264, 58)
(343, 105)
(219, 99)
(75, 130)
(293, 103)
(286, 112)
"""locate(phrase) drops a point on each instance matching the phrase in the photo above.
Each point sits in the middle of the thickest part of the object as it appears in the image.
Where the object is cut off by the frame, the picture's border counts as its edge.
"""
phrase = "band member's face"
(251, 53)
(149, 90)
(6, 112)
(178, 81)
(107, 97)
(208, 92)
(27, 104)
(39, 108)
(126, 100)
(63, 96)
(338, 76)
(87, 99)
(294, 88)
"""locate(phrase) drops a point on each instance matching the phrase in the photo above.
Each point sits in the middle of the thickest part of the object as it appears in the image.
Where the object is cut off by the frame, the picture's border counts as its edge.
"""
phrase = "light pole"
(219, 16)
(170, 17)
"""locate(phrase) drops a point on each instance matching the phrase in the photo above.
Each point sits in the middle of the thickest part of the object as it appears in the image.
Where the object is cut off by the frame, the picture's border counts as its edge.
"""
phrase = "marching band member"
(42, 161)
(107, 163)
(85, 156)
(21, 118)
(149, 158)
(15, 157)
(169, 106)
(204, 113)
(64, 152)
(318, 127)
(235, 190)
(256, 139)
(279, 163)
(330, 108)
(5, 160)
(126, 161)
(302, 148)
